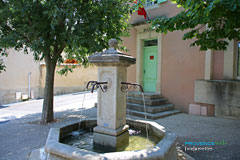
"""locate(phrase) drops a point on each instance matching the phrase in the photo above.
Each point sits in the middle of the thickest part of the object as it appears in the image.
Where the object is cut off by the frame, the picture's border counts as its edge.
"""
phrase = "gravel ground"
(192, 128)
(20, 136)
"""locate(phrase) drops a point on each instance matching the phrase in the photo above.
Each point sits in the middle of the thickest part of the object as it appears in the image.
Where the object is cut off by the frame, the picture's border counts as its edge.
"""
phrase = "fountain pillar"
(111, 131)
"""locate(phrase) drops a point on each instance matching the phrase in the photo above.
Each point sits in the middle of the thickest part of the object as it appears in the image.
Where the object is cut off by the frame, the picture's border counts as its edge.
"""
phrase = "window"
(238, 61)
(150, 4)
(149, 43)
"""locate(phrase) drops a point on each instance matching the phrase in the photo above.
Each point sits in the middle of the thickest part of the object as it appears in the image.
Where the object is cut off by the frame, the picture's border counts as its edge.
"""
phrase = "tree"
(221, 17)
(47, 29)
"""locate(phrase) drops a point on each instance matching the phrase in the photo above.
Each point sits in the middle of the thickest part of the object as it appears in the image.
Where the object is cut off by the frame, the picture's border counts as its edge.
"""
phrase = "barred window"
(151, 2)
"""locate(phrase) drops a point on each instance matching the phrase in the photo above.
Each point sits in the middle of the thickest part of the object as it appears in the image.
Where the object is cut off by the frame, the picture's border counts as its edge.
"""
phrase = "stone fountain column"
(111, 131)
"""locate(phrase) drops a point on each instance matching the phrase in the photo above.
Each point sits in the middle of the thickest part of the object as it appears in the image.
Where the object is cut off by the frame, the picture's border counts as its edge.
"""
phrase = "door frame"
(145, 33)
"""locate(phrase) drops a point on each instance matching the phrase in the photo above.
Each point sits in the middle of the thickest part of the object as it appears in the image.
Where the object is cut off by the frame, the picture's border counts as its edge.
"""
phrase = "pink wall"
(181, 66)
(131, 43)
(218, 61)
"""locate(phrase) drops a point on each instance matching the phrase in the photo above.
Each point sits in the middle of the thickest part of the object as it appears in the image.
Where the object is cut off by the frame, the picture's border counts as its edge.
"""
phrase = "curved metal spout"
(97, 84)
(91, 82)
(125, 86)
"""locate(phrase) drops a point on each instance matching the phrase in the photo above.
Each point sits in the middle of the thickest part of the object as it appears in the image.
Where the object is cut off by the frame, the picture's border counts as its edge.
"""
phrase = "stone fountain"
(111, 125)
(111, 130)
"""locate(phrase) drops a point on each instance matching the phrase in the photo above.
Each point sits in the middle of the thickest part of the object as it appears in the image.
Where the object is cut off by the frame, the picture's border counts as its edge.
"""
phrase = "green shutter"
(161, 1)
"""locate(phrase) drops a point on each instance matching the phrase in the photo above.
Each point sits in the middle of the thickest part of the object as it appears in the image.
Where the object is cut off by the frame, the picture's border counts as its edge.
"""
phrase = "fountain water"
(111, 127)
(126, 88)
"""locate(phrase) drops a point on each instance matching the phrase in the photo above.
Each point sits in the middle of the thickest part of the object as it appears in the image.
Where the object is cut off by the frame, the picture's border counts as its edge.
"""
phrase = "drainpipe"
(29, 85)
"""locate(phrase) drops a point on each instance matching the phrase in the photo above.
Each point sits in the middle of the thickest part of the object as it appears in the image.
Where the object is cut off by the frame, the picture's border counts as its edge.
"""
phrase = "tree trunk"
(47, 110)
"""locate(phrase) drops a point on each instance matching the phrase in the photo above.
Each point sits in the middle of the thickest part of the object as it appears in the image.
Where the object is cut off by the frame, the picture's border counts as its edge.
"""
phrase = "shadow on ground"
(18, 137)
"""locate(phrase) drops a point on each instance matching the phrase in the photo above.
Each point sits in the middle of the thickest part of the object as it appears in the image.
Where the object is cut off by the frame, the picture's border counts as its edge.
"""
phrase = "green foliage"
(66, 70)
(2, 66)
(220, 16)
(49, 28)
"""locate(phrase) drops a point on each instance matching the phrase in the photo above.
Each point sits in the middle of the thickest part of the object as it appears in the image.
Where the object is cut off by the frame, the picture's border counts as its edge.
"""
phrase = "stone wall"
(74, 81)
(15, 78)
(223, 94)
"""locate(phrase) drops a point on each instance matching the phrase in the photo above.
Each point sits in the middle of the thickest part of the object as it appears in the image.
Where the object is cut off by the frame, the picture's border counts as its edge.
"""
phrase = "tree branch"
(57, 52)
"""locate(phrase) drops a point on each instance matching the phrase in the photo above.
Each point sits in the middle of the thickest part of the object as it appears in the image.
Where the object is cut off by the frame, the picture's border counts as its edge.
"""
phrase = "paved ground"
(66, 102)
(20, 131)
(191, 128)
(18, 137)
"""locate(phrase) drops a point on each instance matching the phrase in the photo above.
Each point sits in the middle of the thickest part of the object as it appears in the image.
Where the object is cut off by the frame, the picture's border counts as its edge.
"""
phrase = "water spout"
(97, 84)
(125, 86)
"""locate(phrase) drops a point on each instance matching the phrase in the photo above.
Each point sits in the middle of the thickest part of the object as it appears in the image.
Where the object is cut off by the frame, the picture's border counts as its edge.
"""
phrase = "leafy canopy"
(48, 27)
(221, 17)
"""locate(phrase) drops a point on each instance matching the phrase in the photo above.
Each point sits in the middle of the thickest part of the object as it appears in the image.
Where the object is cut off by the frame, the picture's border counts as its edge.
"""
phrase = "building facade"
(25, 79)
(197, 82)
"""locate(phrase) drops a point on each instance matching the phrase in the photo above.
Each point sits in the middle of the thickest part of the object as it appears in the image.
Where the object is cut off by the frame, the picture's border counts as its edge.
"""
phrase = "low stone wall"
(9, 96)
(223, 94)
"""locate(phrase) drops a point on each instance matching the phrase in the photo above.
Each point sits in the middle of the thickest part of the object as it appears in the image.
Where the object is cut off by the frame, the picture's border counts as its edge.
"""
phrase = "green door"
(150, 68)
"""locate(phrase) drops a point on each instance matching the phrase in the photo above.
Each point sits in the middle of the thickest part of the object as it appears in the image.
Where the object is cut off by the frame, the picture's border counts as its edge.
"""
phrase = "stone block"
(32, 94)
(18, 95)
(194, 109)
(203, 110)
(111, 143)
(210, 110)
(24, 97)
(109, 131)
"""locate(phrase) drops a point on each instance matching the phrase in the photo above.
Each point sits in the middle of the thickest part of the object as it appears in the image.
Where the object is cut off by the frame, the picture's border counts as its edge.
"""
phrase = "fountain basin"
(164, 149)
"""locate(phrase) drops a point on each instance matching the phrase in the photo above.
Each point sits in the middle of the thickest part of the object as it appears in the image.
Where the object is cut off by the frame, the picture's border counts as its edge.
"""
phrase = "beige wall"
(15, 79)
(74, 81)
(18, 65)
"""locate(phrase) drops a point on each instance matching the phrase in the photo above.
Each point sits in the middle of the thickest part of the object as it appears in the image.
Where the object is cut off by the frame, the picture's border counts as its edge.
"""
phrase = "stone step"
(152, 116)
(152, 102)
(147, 95)
(150, 109)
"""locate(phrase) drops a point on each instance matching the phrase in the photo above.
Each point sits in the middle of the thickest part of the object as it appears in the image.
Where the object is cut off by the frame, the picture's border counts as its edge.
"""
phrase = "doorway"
(150, 61)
